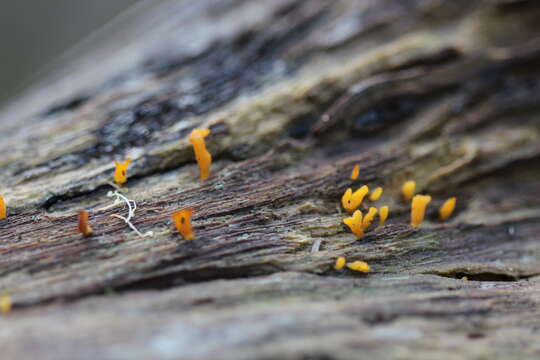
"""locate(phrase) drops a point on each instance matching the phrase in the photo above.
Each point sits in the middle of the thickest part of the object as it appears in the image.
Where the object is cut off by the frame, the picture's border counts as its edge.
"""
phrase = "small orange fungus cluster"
(355, 172)
(418, 209)
(5, 304)
(420, 202)
(3, 211)
(352, 200)
(83, 226)
(447, 208)
(407, 190)
(120, 173)
(376, 194)
(182, 221)
(203, 157)
(340, 263)
(358, 265)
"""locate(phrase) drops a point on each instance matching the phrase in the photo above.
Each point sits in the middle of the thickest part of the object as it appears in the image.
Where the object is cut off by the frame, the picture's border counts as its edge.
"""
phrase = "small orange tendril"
(340, 263)
(376, 194)
(203, 157)
(84, 227)
(383, 215)
(359, 266)
(418, 209)
(351, 201)
(182, 221)
(355, 224)
(368, 218)
(355, 172)
(120, 174)
(407, 190)
(3, 211)
(446, 209)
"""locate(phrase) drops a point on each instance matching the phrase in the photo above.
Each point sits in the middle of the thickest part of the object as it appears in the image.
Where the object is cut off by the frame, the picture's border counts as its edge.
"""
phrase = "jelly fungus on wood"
(120, 173)
(376, 194)
(407, 190)
(351, 201)
(359, 266)
(418, 209)
(355, 172)
(383, 215)
(203, 157)
(340, 263)
(368, 218)
(5, 304)
(354, 223)
(446, 209)
(182, 221)
(84, 227)
(3, 211)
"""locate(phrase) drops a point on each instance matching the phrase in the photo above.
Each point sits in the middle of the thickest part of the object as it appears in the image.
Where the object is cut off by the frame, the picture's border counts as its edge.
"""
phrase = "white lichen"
(132, 206)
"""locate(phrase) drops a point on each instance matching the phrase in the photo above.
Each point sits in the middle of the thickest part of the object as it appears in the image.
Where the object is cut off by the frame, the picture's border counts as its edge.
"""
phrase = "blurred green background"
(34, 32)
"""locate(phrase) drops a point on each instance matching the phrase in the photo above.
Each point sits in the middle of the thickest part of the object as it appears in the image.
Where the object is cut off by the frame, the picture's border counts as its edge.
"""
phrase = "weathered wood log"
(295, 93)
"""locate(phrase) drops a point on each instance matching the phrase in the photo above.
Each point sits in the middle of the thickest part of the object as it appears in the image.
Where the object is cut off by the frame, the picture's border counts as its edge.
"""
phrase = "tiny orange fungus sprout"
(355, 172)
(355, 224)
(120, 173)
(351, 201)
(376, 194)
(446, 210)
(340, 263)
(383, 215)
(368, 218)
(182, 221)
(84, 227)
(5, 304)
(418, 209)
(3, 212)
(464, 278)
(408, 190)
(203, 157)
(359, 266)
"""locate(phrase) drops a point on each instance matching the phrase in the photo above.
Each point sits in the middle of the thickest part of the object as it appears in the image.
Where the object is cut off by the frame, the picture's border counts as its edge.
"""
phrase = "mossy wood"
(295, 94)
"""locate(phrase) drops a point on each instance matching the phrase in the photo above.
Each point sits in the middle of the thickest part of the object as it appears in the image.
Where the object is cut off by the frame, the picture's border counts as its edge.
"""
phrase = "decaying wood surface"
(295, 92)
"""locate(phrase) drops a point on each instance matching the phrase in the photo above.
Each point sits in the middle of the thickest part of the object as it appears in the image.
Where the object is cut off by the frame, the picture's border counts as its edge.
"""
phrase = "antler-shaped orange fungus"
(351, 201)
(120, 173)
(340, 263)
(355, 172)
(355, 224)
(3, 211)
(418, 209)
(359, 266)
(84, 227)
(368, 218)
(446, 209)
(383, 215)
(408, 190)
(182, 221)
(203, 157)
(376, 194)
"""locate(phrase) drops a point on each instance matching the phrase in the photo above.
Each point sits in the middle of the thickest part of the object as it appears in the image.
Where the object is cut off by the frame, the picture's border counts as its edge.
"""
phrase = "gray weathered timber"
(296, 93)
